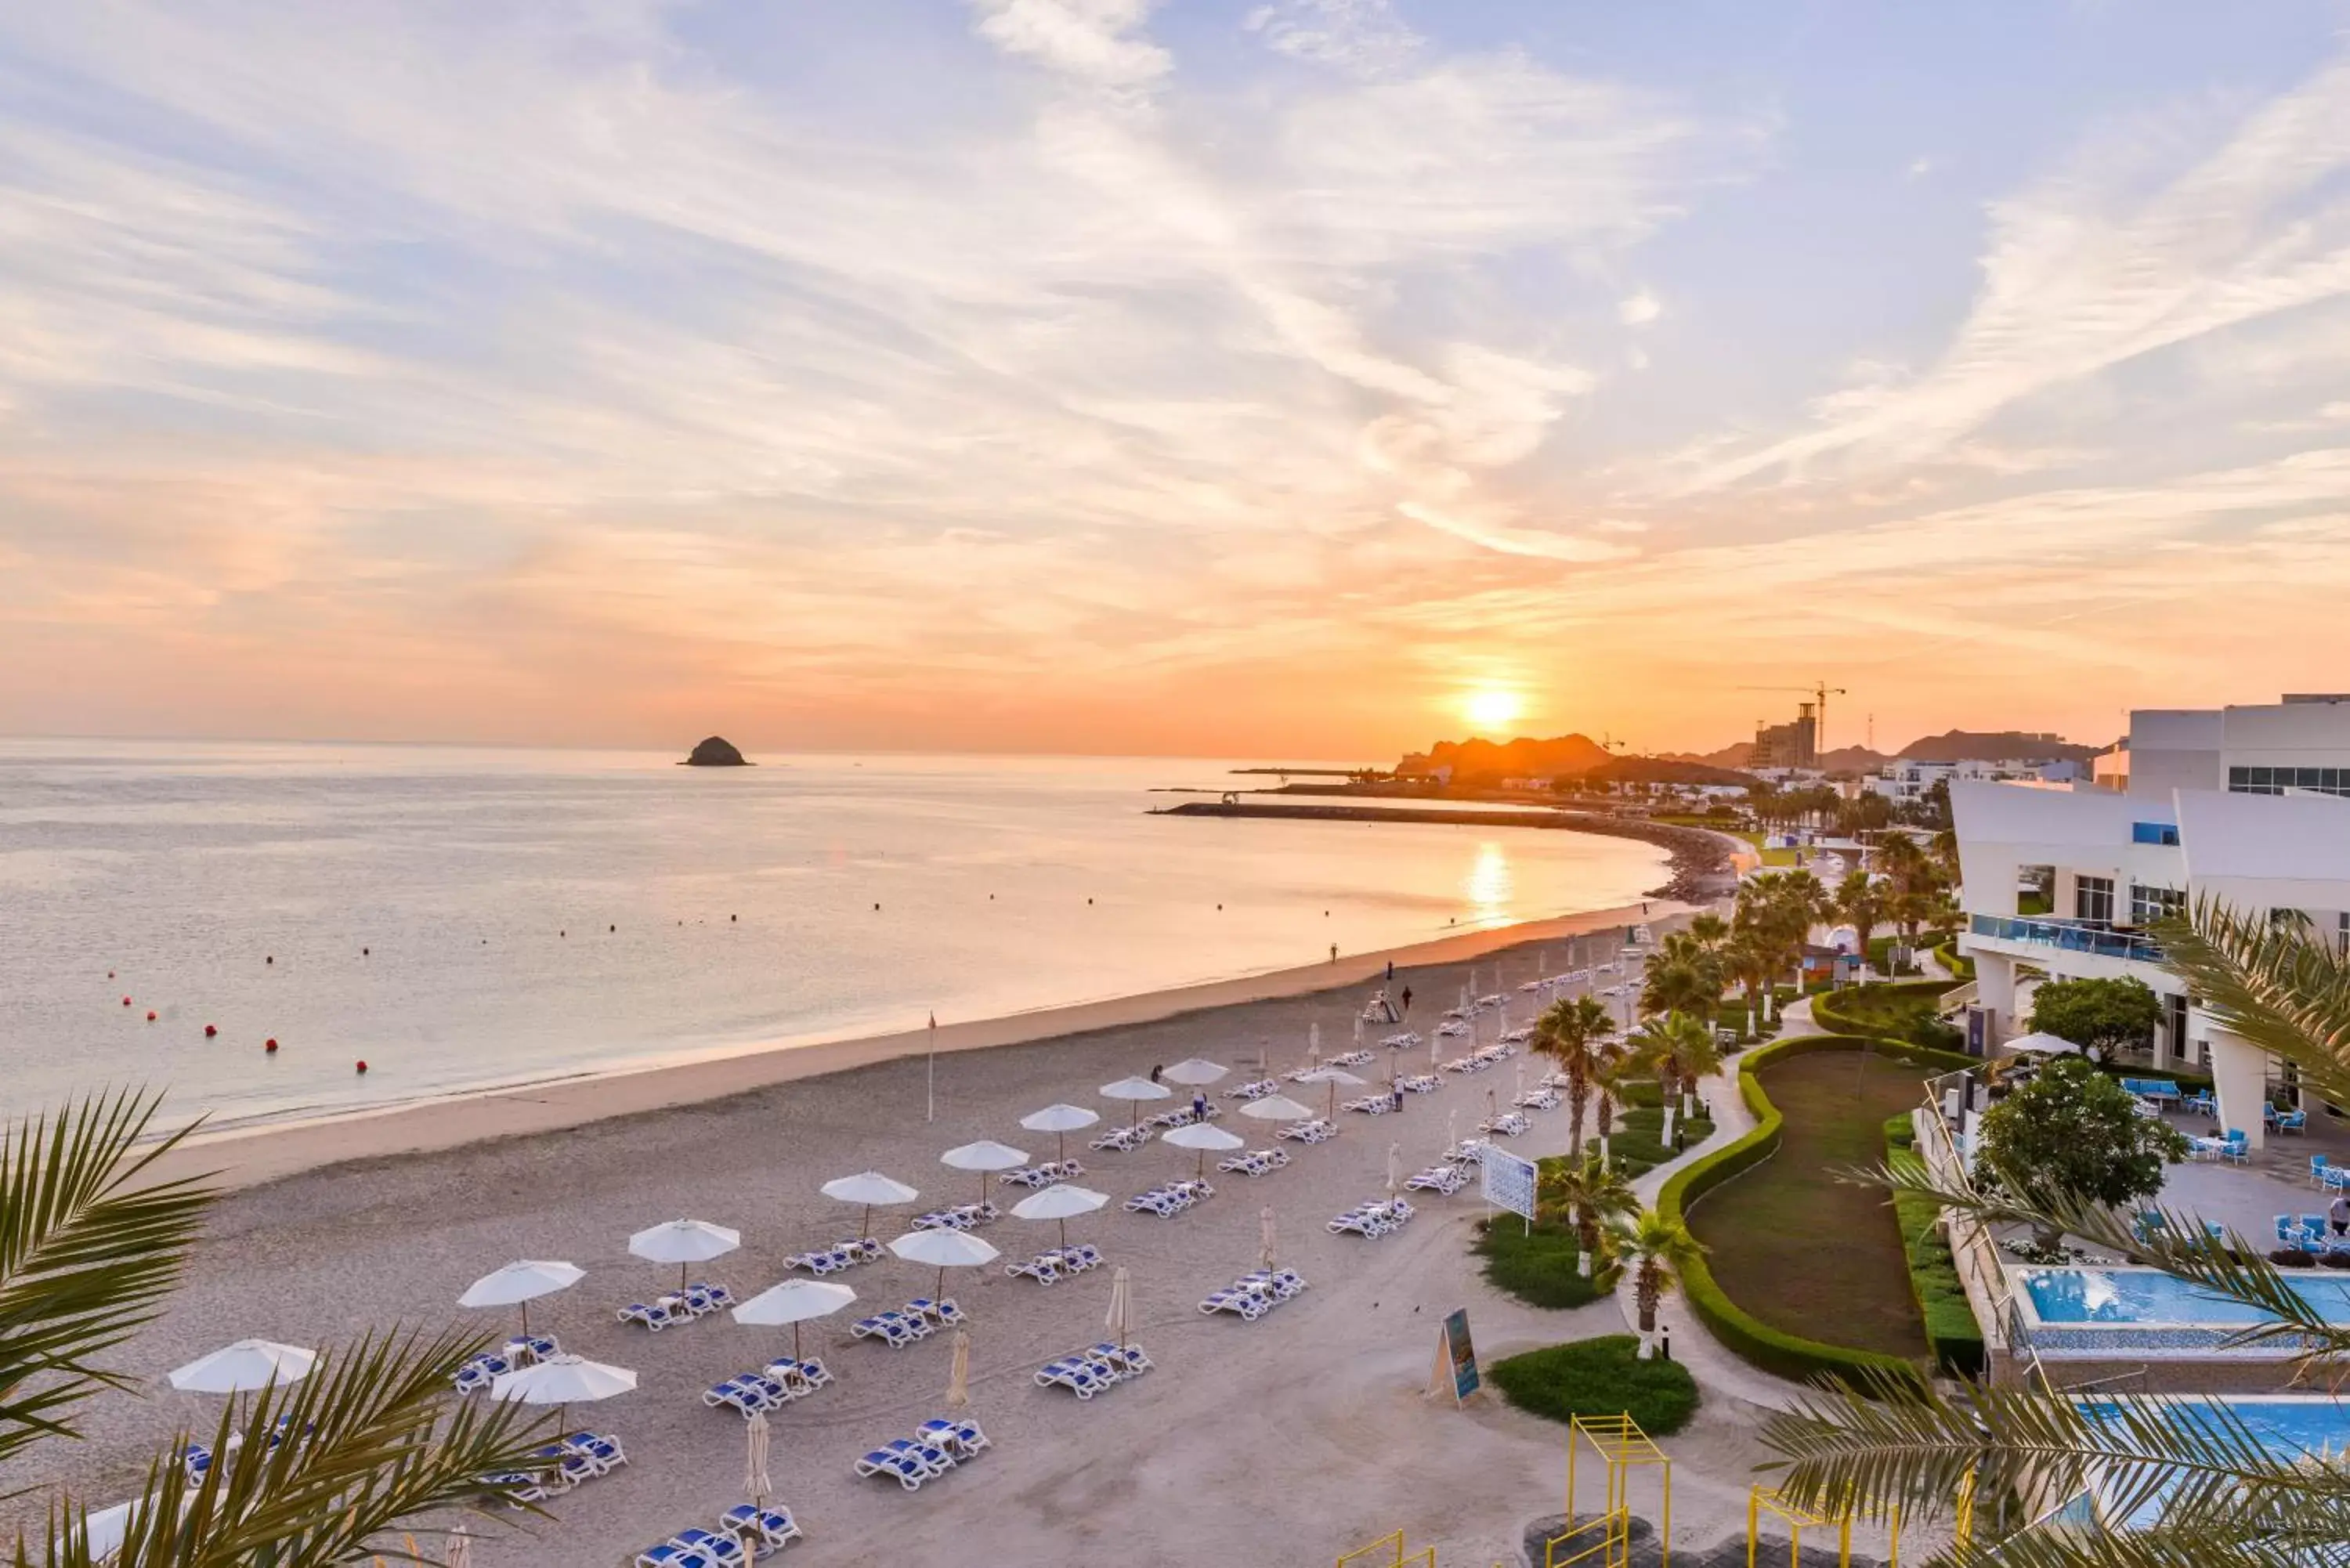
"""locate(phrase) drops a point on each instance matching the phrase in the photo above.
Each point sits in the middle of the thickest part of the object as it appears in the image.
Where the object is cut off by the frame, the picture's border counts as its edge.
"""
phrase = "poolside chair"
(2236, 1147)
(2292, 1121)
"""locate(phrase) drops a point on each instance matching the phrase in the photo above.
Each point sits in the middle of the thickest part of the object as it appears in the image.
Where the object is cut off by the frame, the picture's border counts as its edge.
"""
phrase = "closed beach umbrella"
(563, 1380)
(1333, 1076)
(959, 1372)
(1520, 1075)
(1202, 1136)
(1313, 1045)
(871, 1189)
(1060, 1121)
(1435, 1044)
(1059, 1203)
(1264, 1235)
(519, 1284)
(944, 1250)
(983, 1156)
(1277, 1108)
(1192, 1070)
(684, 1242)
(1137, 1090)
(1395, 1169)
(755, 1482)
(246, 1365)
(794, 1302)
(1358, 1032)
(1452, 1129)
(1120, 1321)
(460, 1553)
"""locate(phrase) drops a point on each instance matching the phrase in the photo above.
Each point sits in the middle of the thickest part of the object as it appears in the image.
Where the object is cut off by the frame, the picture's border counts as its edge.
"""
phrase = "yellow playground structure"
(1605, 1539)
(1763, 1503)
(1388, 1552)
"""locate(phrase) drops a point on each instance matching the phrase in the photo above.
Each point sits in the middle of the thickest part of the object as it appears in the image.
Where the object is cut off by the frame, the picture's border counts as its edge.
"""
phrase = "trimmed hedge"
(1603, 1376)
(1784, 1354)
(1957, 962)
(1902, 1010)
(1950, 1326)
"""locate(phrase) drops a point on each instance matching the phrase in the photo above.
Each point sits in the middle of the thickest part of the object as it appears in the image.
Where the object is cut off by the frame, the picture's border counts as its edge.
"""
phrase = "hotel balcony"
(2088, 938)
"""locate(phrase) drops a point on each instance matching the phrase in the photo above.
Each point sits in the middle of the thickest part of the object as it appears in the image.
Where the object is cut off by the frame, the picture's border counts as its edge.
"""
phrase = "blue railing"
(2072, 936)
(2153, 833)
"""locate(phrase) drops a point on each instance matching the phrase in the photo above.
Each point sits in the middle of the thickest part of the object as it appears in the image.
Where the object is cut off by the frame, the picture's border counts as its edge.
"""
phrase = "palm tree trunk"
(1578, 1093)
(1647, 1292)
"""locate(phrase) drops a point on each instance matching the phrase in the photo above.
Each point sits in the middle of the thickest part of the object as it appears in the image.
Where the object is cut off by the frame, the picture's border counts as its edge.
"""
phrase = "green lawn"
(1602, 1377)
(1798, 1249)
(1538, 1268)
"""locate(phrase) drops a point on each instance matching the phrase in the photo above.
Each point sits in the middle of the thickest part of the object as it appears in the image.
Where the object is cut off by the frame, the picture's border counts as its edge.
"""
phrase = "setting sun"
(1490, 708)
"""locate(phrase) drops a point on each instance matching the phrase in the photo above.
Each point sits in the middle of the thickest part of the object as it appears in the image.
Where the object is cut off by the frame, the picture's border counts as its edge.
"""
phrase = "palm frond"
(2270, 983)
(374, 1441)
(86, 1252)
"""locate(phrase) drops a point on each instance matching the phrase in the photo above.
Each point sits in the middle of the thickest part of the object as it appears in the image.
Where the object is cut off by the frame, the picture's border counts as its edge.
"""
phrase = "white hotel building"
(2243, 805)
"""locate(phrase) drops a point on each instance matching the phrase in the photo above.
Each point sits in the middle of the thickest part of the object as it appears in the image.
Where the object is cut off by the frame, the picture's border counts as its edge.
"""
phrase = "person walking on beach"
(2339, 1213)
(1406, 1001)
(1334, 952)
(1157, 1069)
(1200, 1106)
(1390, 971)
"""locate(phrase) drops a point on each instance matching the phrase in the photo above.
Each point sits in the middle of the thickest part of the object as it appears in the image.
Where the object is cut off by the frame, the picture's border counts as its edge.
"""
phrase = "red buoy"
(151, 1015)
(126, 1002)
(362, 1066)
(210, 1032)
(270, 1045)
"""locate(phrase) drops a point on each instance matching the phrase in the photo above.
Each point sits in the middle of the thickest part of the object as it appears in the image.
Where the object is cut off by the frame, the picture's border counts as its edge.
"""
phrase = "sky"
(1291, 378)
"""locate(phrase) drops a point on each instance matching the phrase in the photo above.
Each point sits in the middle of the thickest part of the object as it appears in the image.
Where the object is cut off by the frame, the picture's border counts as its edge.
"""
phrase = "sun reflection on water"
(1490, 884)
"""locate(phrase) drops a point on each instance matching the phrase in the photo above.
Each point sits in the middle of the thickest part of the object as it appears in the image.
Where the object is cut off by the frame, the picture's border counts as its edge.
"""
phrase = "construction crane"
(1818, 692)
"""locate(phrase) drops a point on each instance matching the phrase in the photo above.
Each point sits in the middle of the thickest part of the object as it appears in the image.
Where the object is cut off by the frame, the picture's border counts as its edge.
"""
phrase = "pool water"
(2287, 1427)
(2151, 1296)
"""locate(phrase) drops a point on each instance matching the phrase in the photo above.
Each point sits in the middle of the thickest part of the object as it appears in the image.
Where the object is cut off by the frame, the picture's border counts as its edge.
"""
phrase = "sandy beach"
(1283, 1440)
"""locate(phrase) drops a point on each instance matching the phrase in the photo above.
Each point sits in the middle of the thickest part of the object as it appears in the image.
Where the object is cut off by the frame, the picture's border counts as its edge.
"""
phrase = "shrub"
(1539, 1268)
(1950, 1326)
(1957, 962)
(1754, 1341)
(1603, 1376)
(1903, 1011)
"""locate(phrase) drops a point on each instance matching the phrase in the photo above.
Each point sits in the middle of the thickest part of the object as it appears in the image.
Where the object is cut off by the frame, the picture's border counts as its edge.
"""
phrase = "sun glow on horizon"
(1491, 707)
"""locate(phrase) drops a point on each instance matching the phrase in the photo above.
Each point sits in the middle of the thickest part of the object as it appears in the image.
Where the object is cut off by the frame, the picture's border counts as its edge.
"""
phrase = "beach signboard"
(1507, 1181)
(1456, 1358)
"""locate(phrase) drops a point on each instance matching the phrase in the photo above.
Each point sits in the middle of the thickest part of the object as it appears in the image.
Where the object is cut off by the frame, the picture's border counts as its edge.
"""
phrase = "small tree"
(2073, 1133)
(1569, 1034)
(1596, 1195)
(1656, 1249)
(2100, 1016)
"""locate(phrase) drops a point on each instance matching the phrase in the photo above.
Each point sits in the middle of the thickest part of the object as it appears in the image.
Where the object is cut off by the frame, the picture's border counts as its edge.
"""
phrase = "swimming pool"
(2150, 1297)
(2287, 1426)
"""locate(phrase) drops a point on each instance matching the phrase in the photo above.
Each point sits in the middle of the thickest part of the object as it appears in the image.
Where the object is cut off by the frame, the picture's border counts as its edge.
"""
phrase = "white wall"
(2175, 748)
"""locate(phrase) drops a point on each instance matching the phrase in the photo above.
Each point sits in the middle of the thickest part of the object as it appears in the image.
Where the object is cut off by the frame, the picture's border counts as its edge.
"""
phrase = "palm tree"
(1861, 899)
(1675, 986)
(2227, 1501)
(1615, 1063)
(89, 1251)
(1746, 960)
(1569, 1034)
(1707, 930)
(1594, 1194)
(1657, 1248)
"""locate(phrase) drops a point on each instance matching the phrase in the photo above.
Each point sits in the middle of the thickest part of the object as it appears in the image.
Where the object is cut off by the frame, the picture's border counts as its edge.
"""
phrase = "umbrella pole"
(525, 1320)
(681, 1279)
(939, 1291)
(865, 1226)
(1064, 1235)
(795, 1342)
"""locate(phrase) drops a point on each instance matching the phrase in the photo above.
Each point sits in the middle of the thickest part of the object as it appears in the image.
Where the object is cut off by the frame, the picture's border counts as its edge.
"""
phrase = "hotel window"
(2148, 905)
(2276, 780)
(2092, 898)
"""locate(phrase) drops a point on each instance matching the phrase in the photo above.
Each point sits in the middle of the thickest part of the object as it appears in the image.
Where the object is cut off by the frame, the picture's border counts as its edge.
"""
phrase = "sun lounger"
(1403, 1042)
(892, 1328)
(1045, 1268)
(941, 1312)
(652, 1316)
(1256, 1161)
(808, 1376)
(1079, 1376)
(961, 1440)
(1421, 1083)
(906, 1468)
(1128, 1359)
(1255, 1090)
(1125, 1140)
(1444, 1178)
(480, 1372)
(1451, 1030)
(936, 1459)
(1371, 1105)
(1508, 1124)
(1315, 1131)
(669, 1554)
(775, 1526)
(737, 1393)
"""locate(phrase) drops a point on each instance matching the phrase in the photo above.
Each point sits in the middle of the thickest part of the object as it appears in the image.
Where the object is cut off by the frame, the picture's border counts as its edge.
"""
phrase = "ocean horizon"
(464, 919)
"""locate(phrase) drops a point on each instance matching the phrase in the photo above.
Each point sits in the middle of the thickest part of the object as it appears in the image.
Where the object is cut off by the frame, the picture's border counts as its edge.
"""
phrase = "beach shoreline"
(261, 1152)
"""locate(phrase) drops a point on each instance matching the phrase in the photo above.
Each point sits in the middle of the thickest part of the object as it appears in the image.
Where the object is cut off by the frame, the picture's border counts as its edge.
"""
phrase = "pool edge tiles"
(2173, 1336)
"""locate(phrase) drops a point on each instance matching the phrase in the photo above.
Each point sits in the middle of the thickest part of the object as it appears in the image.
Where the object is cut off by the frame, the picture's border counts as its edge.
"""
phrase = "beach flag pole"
(931, 1087)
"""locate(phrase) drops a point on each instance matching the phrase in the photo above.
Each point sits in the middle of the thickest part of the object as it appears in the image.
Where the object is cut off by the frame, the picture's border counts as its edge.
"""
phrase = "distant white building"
(1906, 780)
(2115, 863)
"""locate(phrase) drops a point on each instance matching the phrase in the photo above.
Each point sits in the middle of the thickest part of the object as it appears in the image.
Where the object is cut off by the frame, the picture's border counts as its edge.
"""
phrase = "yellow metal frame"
(1762, 1499)
(1623, 1448)
(1391, 1542)
(1610, 1533)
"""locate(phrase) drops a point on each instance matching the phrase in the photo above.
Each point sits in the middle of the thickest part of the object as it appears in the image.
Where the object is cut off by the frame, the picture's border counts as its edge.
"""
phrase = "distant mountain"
(1740, 754)
(1995, 746)
(1561, 757)
(1664, 770)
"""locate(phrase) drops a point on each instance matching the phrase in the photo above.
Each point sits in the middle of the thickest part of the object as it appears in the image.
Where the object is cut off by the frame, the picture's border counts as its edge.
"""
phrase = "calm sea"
(463, 918)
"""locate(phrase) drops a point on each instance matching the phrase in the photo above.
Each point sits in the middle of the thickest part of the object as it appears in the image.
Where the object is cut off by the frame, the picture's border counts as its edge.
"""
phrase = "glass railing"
(2072, 936)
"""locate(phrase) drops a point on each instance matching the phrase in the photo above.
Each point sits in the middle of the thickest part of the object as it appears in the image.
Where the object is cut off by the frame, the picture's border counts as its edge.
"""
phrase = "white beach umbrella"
(241, 1367)
(1120, 1321)
(1333, 1076)
(983, 1156)
(871, 1189)
(1137, 1090)
(756, 1481)
(562, 1380)
(959, 1372)
(1277, 1108)
(1060, 1120)
(684, 1242)
(1202, 1136)
(944, 1250)
(1059, 1203)
(2052, 1045)
(520, 1283)
(1264, 1235)
(1192, 1070)
(794, 1302)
